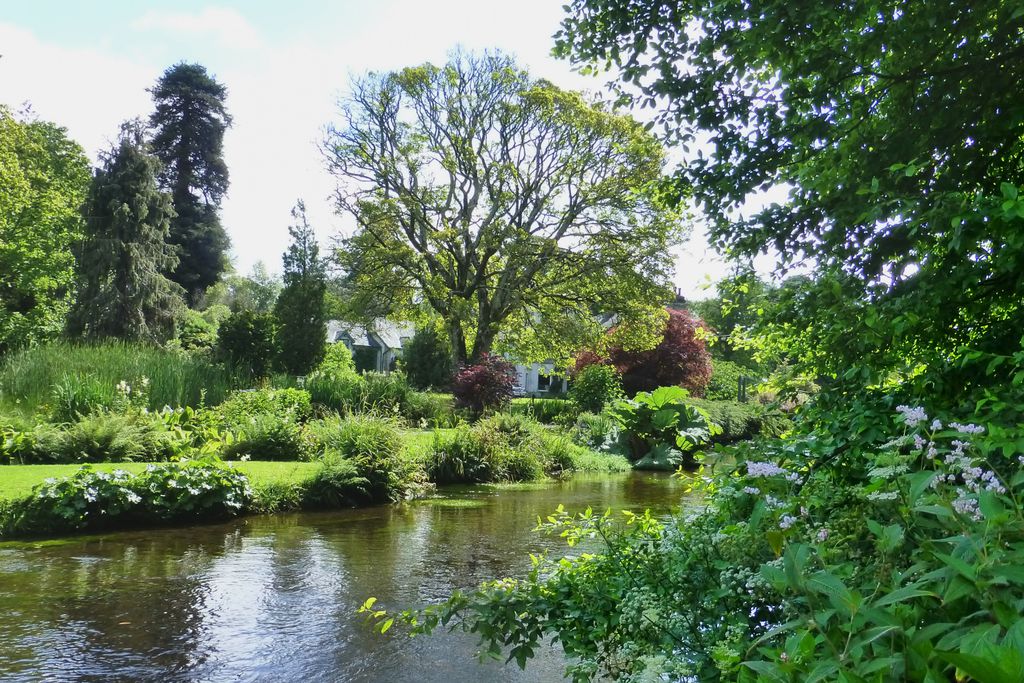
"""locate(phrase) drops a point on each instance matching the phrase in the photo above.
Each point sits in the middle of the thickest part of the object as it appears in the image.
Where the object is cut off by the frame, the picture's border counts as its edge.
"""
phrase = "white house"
(383, 344)
(539, 379)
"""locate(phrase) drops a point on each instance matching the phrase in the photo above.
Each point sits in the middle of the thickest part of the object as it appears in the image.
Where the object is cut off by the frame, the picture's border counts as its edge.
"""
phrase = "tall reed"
(35, 377)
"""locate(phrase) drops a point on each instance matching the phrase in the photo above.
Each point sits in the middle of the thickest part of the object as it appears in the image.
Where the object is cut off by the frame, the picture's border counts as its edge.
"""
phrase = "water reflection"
(273, 598)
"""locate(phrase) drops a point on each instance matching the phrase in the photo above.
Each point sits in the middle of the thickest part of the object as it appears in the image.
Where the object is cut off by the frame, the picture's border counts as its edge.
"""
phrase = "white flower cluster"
(912, 416)
(968, 428)
(769, 469)
(968, 507)
(787, 521)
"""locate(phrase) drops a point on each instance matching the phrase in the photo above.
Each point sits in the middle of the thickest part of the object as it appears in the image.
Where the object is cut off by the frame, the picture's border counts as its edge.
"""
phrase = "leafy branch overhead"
(511, 208)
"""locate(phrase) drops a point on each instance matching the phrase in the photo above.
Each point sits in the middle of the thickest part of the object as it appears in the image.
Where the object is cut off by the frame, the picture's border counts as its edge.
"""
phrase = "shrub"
(430, 410)
(196, 333)
(83, 377)
(459, 456)
(171, 492)
(100, 437)
(337, 484)
(662, 430)
(594, 386)
(725, 377)
(247, 340)
(384, 392)
(486, 385)
(739, 421)
(375, 447)
(267, 436)
(545, 410)
(341, 393)
(287, 404)
(504, 447)
(680, 359)
(427, 360)
(598, 432)
(337, 360)
(347, 393)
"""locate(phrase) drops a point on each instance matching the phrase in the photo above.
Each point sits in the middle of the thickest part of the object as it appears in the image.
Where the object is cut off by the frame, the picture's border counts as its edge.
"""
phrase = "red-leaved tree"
(483, 385)
(681, 359)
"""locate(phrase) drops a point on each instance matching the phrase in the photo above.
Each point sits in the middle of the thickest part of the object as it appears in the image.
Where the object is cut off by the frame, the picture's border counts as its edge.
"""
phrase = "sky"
(87, 65)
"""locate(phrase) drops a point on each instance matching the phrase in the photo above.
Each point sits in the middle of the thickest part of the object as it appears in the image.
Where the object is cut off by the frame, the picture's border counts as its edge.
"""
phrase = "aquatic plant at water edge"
(187, 490)
(907, 567)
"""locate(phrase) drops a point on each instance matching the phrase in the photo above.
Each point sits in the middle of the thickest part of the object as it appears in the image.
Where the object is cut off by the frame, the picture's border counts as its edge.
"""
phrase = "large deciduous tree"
(899, 128)
(188, 137)
(513, 209)
(300, 310)
(123, 292)
(43, 179)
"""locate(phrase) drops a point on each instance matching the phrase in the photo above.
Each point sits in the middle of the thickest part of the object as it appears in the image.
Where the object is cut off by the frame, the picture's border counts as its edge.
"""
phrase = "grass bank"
(17, 481)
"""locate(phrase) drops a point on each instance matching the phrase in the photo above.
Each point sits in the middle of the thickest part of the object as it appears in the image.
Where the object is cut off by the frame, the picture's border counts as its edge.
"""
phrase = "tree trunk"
(458, 341)
(483, 342)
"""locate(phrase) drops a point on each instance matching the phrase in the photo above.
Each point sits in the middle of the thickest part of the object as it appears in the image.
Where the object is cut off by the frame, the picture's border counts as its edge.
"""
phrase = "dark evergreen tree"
(188, 136)
(427, 359)
(121, 261)
(247, 340)
(301, 309)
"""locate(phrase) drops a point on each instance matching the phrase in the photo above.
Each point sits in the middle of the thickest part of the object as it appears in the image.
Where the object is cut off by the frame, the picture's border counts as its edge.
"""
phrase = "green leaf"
(772, 671)
(901, 594)
(980, 669)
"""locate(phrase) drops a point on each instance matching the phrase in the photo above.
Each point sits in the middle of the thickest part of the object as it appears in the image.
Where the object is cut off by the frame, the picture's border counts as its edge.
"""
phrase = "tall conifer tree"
(300, 310)
(123, 292)
(188, 137)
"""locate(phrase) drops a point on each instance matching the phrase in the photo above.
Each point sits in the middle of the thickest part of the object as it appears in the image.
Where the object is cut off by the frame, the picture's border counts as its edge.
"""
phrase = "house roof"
(384, 333)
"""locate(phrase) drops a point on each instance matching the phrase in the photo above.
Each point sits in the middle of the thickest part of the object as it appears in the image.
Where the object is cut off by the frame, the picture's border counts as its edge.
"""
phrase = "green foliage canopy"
(43, 176)
(511, 208)
(897, 127)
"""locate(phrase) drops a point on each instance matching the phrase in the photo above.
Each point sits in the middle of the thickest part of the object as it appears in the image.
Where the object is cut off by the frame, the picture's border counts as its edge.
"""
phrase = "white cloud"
(227, 26)
(87, 91)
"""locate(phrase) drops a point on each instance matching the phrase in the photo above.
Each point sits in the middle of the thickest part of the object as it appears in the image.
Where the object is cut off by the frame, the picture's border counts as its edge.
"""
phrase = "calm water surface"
(274, 598)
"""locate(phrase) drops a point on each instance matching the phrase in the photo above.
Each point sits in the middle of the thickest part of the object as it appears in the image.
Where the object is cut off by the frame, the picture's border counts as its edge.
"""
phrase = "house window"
(543, 382)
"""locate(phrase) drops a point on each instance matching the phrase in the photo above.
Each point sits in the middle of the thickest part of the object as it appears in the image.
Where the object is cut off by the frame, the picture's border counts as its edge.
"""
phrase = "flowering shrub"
(486, 385)
(893, 558)
(182, 491)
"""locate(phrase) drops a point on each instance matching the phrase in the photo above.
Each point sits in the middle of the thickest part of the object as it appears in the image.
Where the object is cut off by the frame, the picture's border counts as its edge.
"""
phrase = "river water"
(274, 598)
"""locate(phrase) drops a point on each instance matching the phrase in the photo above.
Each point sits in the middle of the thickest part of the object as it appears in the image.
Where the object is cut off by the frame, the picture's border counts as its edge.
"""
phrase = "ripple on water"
(275, 598)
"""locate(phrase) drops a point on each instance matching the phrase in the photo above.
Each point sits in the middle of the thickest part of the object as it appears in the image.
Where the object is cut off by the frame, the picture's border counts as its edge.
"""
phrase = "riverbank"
(368, 462)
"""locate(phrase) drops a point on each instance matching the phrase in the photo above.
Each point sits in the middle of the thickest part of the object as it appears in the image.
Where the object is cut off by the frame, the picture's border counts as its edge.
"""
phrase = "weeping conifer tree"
(122, 258)
(301, 309)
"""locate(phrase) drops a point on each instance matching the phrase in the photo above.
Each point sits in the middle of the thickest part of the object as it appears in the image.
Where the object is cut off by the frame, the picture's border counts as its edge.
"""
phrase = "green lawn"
(17, 481)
